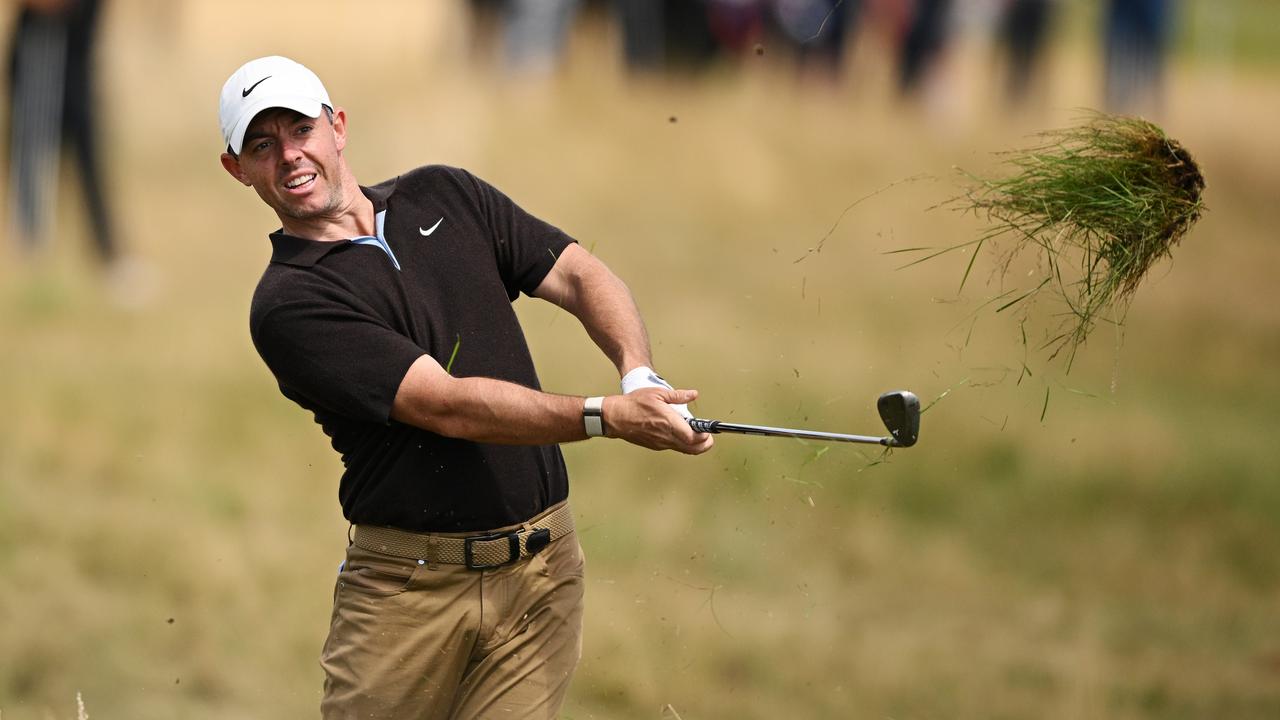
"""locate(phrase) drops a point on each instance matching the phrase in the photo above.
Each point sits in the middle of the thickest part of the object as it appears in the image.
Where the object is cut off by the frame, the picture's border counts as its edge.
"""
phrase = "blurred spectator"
(665, 34)
(51, 102)
(486, 22)
(533, 33)
(1024, 27)
(736, 24)
(643, 36)
(536, 32)
(926, 36)
(1136, 34)
(818, 28)
(691, 34)
(689, 41)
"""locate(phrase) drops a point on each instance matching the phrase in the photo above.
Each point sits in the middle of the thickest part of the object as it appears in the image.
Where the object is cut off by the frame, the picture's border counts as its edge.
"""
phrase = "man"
(386, 312)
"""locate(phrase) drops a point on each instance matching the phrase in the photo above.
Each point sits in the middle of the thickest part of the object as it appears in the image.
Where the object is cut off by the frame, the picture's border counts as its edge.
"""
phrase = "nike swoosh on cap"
(433, 228)
(245, 93)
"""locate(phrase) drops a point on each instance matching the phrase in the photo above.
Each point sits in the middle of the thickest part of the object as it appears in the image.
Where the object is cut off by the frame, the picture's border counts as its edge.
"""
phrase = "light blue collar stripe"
(379, 222)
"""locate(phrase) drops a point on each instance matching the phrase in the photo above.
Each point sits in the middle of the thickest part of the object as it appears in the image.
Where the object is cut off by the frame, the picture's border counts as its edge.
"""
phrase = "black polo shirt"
(339, 324)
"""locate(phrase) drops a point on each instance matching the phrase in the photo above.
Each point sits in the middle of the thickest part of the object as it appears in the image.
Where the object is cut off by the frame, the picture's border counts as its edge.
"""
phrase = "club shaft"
(716, 426)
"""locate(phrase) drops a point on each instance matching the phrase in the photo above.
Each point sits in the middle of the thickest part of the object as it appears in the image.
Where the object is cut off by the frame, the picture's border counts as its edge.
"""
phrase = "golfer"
(386, 312)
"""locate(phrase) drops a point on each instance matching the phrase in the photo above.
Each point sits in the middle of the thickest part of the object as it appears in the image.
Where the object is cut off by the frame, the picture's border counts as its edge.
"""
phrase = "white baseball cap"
(268, 82)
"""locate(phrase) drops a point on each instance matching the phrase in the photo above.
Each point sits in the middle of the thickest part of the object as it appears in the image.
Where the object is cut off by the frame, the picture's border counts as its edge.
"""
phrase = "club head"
(900, 411)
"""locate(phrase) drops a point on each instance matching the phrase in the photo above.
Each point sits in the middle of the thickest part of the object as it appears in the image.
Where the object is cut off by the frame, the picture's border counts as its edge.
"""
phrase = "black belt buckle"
(535, 541)
(513, 544)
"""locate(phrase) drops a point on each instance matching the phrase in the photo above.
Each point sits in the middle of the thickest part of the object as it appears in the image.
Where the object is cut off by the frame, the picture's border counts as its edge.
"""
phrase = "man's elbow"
(433, 416)
(425, 400)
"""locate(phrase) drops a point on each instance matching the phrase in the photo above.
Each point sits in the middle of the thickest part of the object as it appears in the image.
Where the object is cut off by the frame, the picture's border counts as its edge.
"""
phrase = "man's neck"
(354, 218)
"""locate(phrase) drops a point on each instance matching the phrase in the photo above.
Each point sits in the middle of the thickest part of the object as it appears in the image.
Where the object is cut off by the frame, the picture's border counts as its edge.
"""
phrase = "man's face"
(293, 162)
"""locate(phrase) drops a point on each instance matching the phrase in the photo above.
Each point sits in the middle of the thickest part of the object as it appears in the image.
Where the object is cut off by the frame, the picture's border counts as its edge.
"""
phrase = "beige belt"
(478, 552)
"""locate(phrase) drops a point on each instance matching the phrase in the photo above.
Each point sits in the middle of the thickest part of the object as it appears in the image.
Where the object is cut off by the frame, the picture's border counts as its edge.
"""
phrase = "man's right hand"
(645, 417)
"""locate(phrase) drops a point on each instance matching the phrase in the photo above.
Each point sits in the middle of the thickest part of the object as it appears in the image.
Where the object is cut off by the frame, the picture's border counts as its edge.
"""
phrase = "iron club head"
(900, 411)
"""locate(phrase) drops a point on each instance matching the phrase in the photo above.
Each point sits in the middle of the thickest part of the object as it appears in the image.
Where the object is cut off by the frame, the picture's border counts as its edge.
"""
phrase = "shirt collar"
(292, 250)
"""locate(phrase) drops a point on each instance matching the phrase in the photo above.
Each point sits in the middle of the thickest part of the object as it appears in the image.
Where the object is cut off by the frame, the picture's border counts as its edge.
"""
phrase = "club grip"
(704, 426)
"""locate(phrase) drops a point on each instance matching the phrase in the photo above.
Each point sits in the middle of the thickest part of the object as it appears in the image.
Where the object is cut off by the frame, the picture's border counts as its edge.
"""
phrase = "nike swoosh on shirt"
(245, 93)
(433, 228)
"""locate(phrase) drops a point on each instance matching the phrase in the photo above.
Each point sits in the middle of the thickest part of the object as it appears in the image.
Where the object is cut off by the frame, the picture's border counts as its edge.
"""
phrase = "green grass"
(1096, 206)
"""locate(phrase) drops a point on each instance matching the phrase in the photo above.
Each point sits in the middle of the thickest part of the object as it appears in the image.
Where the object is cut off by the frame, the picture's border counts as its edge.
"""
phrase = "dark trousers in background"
(51, 106)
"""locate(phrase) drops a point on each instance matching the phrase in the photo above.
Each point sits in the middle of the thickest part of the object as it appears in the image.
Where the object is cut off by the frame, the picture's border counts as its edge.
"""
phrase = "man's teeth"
(299, 181)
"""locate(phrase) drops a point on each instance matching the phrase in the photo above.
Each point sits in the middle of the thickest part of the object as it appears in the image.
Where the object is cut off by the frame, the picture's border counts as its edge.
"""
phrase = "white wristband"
(642, 377)
(645, 377)
(593, 416)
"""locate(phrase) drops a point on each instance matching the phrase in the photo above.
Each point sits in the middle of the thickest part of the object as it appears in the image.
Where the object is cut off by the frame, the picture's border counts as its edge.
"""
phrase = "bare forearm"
(493, 411)
(585, 287)
(613, 323)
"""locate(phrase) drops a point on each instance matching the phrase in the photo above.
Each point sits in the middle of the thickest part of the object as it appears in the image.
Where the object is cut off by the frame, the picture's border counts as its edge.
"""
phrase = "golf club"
(900, 411)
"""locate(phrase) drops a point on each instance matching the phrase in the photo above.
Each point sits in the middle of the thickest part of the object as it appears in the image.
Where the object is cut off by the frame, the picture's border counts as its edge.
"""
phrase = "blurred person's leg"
(536, 33)
(1136, 36)
(1158, 27)
(688, 41)
(1118, 36)
(1023, 31)
(81, 129)
(36, 63)
(642, 35)
(735, 24)
(923, 43)
(818, 28)
(485, 22)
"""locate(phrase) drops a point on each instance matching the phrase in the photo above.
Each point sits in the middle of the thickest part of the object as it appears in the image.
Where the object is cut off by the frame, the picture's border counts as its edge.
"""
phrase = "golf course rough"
(1098, 205)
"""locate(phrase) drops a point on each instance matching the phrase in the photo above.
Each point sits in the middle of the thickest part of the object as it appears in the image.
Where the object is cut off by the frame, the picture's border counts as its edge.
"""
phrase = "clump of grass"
(1098, 204)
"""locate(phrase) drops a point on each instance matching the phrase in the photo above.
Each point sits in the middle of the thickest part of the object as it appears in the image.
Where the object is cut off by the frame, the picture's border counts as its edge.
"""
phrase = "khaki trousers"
(410, 640)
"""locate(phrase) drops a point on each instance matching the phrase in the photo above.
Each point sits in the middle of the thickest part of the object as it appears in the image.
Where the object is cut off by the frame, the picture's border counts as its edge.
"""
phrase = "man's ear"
(231, 164)
(339, 128)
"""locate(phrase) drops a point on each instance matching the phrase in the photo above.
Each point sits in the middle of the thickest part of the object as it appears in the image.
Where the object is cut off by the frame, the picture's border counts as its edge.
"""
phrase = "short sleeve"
(526, 248)
(333, 358)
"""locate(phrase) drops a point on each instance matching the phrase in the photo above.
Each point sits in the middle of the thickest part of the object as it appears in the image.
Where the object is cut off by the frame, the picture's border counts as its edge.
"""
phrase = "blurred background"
(1099, 543)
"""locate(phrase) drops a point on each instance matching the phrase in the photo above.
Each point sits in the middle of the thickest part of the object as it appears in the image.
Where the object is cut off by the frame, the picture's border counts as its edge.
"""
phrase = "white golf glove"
(643, 377)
